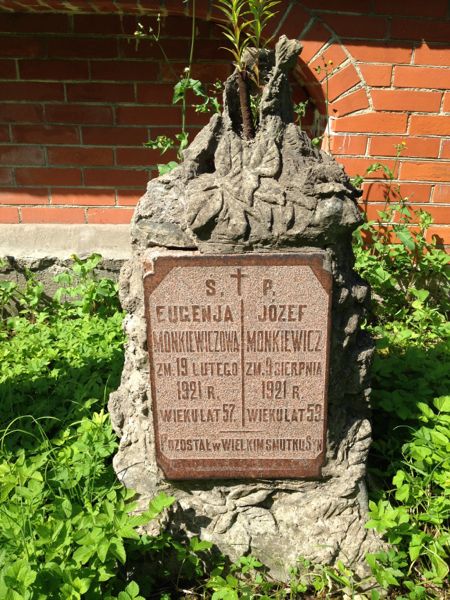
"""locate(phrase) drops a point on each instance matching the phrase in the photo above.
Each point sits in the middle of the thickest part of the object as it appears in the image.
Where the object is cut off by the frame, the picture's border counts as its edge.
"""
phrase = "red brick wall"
(77, 101)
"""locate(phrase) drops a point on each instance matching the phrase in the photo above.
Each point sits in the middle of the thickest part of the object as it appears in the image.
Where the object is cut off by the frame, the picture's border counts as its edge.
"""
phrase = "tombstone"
(245, 388)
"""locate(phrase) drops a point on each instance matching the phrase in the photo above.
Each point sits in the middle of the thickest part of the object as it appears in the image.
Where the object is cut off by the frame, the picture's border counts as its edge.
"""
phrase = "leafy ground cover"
(65, 524)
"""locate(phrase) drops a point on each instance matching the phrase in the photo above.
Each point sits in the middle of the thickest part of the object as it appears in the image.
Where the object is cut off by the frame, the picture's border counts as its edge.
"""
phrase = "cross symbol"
(238, 275)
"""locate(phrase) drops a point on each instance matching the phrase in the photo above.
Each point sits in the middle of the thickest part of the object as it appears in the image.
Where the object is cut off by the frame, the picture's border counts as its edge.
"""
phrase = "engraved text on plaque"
(239, 364)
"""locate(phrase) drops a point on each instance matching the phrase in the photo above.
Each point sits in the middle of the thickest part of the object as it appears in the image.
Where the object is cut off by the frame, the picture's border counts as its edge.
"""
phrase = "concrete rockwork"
(276, 193)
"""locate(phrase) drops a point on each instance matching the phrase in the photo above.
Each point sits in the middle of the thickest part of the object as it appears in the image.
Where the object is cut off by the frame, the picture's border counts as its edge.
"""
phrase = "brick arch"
(341, 91)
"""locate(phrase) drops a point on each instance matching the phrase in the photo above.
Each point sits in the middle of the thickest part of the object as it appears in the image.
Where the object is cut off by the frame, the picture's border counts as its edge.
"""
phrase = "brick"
(83, 196)
(357, 26)
(174, 26)
(8, 69)
(5, 176)
(445, 149)
(143, 115)
(420, 29)
(54, 70)
(425, 171)
(89, 157)
(23, 196)
(402, 100)
(124, 70)
(413, 8)
(79, 113)
(440, 214)
(415, 147)
(446, 107)
(313, 41)
(128, 197)
(52, 215)
(295, 21)
(100, 92)
(376, 191)
(32, 23)
(441, 234)
(174, 7)
(429, 125)
(372, 123)
(48, 176)
(374, 52)
(358, 166)
(341, 81)
(18, 47)
(142, 157)
(376, 75)
(431, 55)
(45, 134)
(9, 214)
(4, 133)
(196, 118)
(21, 113)
(349, 104)
(104, 24)
(146, 49)
(32, 91)
(204, 50)
(441, 193)
(115, 177)
(348, 144)
(422, 77)
(114, 136)
(109, 215)
(178, 49)
(207, 72)
(154, 93)
(21, 155)
(320, 64)
(362, 6)
(78, 47)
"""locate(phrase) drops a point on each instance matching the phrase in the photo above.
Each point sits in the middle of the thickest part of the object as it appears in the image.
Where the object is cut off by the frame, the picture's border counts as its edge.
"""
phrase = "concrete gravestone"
(245, 386)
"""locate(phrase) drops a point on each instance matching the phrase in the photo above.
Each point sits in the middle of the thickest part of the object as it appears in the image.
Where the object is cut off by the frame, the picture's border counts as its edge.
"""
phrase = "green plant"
(208, 101)
(244, 26)
(327, 68)
(407, 271)
(409, 467)
(300, 111)
(416, 522)
(65, 523)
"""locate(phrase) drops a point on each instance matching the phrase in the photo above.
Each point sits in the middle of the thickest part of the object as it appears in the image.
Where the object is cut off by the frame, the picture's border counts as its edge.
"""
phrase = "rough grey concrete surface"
(273, 193)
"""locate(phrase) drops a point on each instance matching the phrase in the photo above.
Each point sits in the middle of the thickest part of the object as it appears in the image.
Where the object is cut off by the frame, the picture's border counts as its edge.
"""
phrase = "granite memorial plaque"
(238, 351)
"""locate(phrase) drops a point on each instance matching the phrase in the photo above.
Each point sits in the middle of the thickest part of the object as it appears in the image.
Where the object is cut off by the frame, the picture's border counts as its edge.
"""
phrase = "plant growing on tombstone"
(208, 101)
(246, 21)
(327, 68)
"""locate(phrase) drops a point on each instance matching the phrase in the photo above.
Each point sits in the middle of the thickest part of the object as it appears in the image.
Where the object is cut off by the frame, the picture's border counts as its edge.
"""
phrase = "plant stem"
(248, 128)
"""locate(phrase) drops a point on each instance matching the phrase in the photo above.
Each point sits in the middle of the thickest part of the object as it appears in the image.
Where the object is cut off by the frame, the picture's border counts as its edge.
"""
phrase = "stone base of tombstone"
(285, 204)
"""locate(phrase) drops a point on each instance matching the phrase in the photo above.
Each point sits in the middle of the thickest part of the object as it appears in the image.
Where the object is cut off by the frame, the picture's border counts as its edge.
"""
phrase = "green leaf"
(83, 554)
(132, 589)
(102, 549)
(170, 166)
(442, 404)
(407, 239)
(118, 550)
(440, 567)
